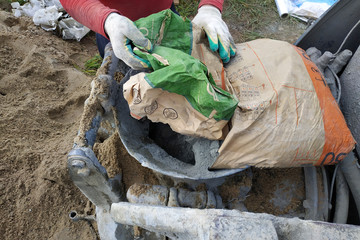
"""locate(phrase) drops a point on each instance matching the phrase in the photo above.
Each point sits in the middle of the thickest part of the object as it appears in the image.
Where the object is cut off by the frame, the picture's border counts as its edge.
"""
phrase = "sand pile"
(42, 97)
(41, 100)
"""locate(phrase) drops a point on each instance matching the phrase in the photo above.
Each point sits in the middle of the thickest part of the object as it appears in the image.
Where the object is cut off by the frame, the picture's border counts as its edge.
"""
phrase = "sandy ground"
(41, 101)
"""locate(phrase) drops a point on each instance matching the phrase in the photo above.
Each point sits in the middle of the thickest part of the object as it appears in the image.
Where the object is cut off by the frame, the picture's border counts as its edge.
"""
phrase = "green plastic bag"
(167, 29)
(187, 76)
(182, 74)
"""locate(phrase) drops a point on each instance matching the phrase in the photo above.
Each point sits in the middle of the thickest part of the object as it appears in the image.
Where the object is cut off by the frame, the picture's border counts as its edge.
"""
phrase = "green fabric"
(185, 75)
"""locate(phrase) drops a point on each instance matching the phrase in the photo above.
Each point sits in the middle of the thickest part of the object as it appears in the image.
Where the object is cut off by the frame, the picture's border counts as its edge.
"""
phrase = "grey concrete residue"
(330, 64)
(172, 197)
(350, 96)
(189, 223)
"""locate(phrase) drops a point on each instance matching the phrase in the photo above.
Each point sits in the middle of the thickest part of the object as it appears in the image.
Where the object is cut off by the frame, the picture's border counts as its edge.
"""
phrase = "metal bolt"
(78, 163)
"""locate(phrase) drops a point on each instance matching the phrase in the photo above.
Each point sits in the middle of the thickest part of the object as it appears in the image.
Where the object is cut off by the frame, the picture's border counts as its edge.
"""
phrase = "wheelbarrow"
(114, 213)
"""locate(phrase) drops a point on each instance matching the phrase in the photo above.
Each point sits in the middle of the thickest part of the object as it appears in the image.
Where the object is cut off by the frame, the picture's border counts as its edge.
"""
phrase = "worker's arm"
(91, 13)
(106, 17)
(113, 19)
(209, 18)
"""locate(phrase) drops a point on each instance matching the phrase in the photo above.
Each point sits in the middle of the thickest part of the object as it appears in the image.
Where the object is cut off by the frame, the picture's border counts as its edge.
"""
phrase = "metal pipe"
(311, 188)
(323, 208)
(75, 217)
(342, 199)
(352, 176)
(190, 223)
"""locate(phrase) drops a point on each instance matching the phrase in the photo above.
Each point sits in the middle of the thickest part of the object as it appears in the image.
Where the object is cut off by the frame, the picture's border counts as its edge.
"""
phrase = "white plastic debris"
(16, 11)
(310, 9)
(56, 3)
(47, 18)
(71, 29)
(28, 9)
(303, 9)
(47, 14)
(15, 5)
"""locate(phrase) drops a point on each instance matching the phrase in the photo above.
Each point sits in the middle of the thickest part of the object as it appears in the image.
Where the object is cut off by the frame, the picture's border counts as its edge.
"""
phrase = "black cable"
(338, 84)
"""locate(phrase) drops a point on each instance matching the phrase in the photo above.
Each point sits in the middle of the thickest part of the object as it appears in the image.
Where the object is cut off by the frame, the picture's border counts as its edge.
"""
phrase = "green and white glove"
(220, 39)
(122, 31)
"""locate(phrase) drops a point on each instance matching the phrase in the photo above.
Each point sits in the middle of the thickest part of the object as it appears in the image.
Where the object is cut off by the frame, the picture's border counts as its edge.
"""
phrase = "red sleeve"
(91, 13)
(215, 3)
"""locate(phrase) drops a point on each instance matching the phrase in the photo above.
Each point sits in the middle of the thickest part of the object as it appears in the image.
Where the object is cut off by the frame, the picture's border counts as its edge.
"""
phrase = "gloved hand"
(121, 31)
(209, 18)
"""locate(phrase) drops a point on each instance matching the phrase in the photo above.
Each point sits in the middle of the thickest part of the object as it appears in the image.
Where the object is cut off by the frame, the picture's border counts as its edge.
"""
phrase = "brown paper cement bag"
(286, 114)
(159, 105)
(170, 108)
